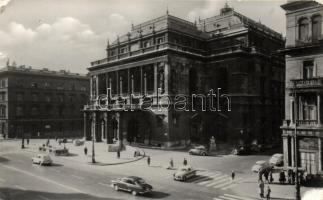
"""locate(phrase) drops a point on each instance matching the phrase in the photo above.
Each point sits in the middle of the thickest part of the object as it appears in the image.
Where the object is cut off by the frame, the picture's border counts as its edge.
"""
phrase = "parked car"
(60, 151)
(78, 142)
(133, 184)
(241, 150)
(42, 159)
(277, 159)
(184, 173)
(199, 150)
(260, 166)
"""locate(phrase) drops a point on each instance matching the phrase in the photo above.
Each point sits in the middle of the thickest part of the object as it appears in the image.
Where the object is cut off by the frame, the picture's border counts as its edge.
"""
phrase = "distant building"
(41, 103)
(304, 85)
(229, 51)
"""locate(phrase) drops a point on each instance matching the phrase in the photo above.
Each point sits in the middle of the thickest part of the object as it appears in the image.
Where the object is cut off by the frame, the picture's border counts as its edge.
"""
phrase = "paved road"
(19, 179)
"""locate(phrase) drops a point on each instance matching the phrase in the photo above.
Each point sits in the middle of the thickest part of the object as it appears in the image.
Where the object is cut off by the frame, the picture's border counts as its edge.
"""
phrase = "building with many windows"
(304, 85)
(41, 103)
(170, 62)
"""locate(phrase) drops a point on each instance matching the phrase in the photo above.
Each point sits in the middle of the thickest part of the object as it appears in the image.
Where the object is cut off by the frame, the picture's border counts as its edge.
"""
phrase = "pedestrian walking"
(268, 193)
(271, 179)
(261, 188)
(85, 150)
(47, 143)
(148, 160)
(185, 162)
(171, 163)
(233, 174)
(118, 154)
(266, 175)
(27, 141)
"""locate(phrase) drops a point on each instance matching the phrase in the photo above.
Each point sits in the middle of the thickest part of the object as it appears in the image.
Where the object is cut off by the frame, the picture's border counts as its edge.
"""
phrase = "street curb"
(98, 163)
(118, 163)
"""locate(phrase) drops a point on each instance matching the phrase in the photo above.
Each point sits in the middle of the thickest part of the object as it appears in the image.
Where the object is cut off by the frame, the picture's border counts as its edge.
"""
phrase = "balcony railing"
(144, 50)
(306, 42)
(307, 122)
(308, 83)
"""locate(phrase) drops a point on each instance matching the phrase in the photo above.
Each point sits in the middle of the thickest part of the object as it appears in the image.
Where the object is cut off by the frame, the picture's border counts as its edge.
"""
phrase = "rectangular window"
(160, 40)
(308, 69)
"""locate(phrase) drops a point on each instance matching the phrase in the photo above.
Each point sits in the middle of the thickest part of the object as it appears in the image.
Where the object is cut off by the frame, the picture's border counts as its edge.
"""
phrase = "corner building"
(228, 51)
(40, 103)
(304, 86)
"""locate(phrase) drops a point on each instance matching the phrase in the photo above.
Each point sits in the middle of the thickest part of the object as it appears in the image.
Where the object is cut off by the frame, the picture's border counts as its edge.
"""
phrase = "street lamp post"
(297, 184)
(22, 138)
(93, 139)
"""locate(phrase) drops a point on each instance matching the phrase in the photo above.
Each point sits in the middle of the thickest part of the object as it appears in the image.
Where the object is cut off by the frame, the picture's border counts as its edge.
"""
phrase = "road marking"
(42, 178)
(235, 197)
(78, 177)
(234, 183)
(42, 197)
(218, 180)
(199, 176)
(20, 187)
(213, 178)
(104, 184)
(56, 170)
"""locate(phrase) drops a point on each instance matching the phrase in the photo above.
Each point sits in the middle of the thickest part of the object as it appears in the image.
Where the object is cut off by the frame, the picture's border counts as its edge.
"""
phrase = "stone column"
(84, 125)
(117, 82)
(318, 109)
(93, 126)
(145, 83)
(166, 76)
(97, 86)
(292, 150)
(285, 149)
(141, 77)
(320, 154)
(291, 110)
(310, 29)
(106, 131)
(155, 79)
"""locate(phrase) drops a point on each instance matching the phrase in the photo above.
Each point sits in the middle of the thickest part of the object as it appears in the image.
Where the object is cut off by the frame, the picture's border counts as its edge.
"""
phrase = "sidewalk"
(249, 188)
(102, 156)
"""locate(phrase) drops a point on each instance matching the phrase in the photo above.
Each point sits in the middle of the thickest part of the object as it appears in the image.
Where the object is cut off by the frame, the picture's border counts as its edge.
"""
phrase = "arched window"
(303, 29)
(316, 27)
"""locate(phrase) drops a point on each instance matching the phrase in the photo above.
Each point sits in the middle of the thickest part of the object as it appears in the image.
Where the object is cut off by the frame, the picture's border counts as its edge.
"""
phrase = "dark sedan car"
(242, 150)
(133, 184)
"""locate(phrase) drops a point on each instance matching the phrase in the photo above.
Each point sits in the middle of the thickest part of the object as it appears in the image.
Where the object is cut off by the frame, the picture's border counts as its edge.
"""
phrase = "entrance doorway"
(132, 131)
(308, 162)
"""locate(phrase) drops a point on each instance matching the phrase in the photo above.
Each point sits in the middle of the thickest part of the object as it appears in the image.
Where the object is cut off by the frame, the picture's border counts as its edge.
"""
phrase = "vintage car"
(260, 166)
(78, 142)
(199, 150)
(277, 159)
(241, 150)
(184, 173)
(133, 184)
(42, 159)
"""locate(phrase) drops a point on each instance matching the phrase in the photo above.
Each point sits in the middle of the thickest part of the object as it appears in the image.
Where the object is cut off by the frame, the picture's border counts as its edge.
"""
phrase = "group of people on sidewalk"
(171, 162)
(262, 190)
(268, 174)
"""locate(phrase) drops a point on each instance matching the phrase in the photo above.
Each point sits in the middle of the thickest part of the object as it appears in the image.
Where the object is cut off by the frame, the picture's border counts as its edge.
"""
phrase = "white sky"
(69, 34)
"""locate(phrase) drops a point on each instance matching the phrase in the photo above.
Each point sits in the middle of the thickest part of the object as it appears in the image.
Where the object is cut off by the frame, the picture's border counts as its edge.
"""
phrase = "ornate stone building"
(304, 72)
(167, 57)
(41, 103)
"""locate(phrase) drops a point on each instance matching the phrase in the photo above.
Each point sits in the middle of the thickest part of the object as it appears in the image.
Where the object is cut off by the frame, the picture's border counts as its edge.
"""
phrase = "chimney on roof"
(226, 9)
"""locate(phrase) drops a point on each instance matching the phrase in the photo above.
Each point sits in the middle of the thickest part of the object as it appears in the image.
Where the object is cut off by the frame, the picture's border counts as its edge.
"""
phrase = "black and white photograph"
(161, 99)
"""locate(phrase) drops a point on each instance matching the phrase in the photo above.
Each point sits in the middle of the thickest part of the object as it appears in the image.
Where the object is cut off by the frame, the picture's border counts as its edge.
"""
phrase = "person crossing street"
(148, 160)
(185, 162)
